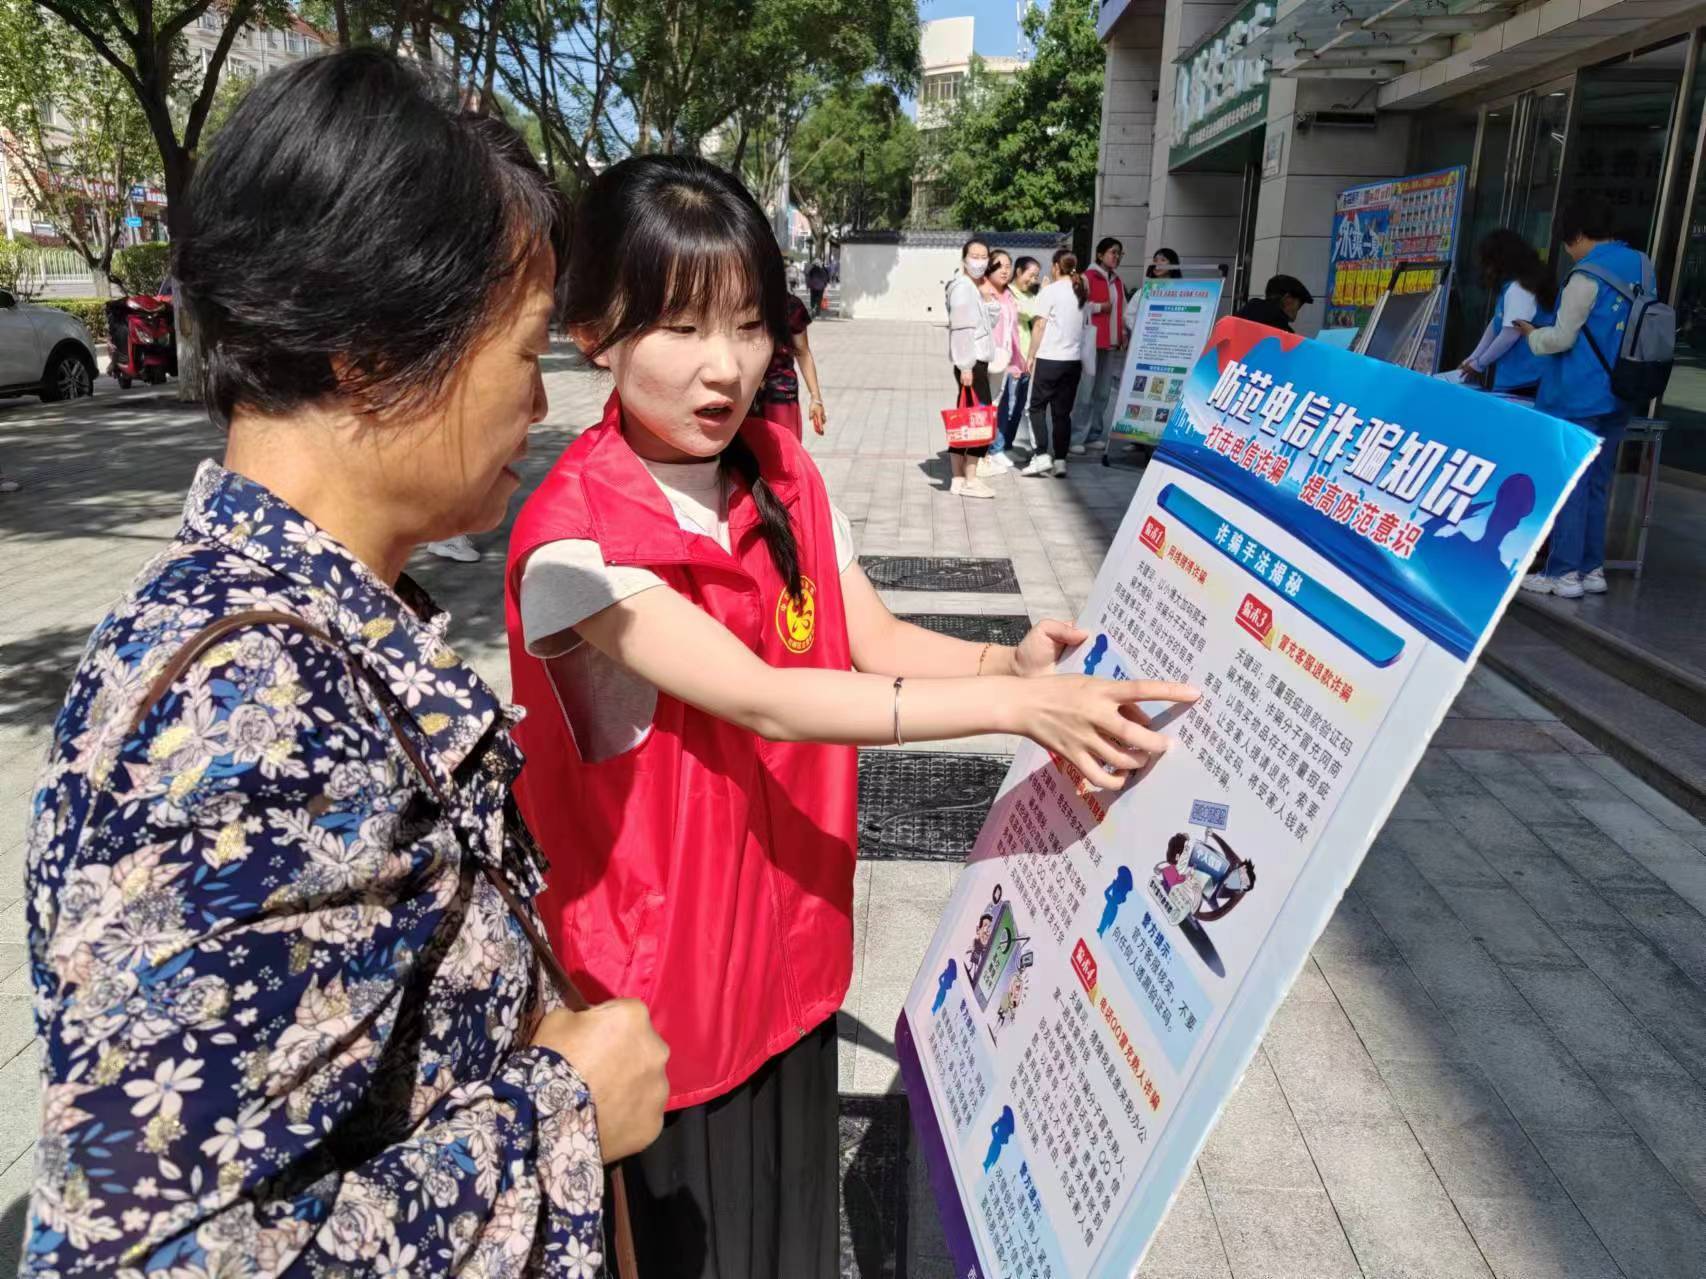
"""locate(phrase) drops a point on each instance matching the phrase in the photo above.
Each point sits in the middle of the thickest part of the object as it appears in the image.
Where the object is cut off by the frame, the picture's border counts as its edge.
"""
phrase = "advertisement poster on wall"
(1380, 224)
(1170, 324)
(1321, 544)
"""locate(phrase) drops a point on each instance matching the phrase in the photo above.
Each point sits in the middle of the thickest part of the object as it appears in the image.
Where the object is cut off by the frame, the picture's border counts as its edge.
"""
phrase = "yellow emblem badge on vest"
(796, 619)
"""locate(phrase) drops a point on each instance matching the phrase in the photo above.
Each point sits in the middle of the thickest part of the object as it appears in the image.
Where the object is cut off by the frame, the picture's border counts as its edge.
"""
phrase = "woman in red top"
(779, 397)
(699, 652)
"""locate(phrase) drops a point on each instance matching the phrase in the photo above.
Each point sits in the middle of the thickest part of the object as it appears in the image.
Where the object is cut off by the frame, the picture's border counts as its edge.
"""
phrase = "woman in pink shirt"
(1008, 360)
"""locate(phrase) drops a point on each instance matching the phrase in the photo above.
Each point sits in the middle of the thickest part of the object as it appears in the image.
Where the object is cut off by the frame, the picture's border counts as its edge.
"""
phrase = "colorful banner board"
(1321, 544)
(1380, 224)
(1171, 320)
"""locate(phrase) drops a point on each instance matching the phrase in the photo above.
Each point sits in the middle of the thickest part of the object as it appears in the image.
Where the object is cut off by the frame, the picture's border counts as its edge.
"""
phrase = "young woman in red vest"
(699, 653)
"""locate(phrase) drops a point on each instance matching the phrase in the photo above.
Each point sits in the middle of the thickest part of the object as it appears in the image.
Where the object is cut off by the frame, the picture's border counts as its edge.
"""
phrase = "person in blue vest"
(1575, 383)
(1526, 292)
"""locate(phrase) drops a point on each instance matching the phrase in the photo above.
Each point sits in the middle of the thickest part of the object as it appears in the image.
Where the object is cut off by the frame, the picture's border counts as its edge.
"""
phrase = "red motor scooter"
(143, 341)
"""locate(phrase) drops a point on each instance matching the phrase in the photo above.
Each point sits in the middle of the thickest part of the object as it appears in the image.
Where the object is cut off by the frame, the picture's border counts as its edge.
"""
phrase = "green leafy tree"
(853, 160)
(145, 43)
(74, 135)
(1021, 153)
(17, 267)
(788, 60)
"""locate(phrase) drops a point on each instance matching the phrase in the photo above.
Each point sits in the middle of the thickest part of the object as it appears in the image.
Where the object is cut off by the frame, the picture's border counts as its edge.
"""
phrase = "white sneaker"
(1000, 462)
(454, 548)
(1060, 469)
(975, 487)
(1041, 464)
(12, 486)
(1567, 587)
(1594, 583)
(1078, 450)
(956, 484)
(1538, 584)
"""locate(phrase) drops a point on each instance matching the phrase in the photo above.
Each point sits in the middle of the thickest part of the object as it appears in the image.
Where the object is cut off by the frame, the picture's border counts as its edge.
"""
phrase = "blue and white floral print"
(284, 1020)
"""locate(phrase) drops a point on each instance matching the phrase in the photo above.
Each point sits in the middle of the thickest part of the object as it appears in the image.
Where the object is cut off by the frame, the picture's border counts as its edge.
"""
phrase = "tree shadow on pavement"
(14, 1222)
(100, 465)
(35, 672)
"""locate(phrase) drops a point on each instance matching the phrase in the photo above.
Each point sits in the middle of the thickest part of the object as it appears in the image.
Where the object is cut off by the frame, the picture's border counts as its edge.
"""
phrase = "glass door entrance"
(1513, 182)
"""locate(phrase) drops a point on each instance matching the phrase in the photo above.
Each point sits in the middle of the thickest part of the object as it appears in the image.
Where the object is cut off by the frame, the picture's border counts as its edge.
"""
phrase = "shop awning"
(1371, 40)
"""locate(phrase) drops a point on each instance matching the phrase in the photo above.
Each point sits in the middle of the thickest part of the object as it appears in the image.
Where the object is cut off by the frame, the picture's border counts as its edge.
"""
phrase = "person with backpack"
(1610, 348)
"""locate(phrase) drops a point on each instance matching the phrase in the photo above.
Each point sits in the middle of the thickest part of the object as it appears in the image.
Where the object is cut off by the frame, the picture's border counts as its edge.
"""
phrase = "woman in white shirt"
(1056, 366)
(1512, 271)
(971, 344)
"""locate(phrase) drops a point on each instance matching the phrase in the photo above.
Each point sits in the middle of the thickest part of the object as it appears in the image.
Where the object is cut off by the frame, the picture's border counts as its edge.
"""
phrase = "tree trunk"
(340, 9)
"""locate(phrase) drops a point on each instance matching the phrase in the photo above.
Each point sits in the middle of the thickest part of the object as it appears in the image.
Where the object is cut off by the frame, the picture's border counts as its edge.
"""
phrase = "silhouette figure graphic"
(1115, 895)
(944, 984)
(1098, 651)
(1000, 1133)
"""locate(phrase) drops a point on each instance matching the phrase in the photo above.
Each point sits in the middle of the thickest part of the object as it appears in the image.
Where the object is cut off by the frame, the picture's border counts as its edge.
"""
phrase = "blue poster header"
(1432, 495)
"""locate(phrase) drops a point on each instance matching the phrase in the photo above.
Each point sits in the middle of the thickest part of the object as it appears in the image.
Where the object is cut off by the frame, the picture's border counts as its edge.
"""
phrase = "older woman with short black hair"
(292, 1017)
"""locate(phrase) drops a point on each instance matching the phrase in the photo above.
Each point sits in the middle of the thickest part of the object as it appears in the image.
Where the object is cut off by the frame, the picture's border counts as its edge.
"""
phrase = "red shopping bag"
(970, 423)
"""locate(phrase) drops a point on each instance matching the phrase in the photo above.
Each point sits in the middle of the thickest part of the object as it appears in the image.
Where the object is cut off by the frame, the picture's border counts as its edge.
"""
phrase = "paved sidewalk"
(1494, 1065)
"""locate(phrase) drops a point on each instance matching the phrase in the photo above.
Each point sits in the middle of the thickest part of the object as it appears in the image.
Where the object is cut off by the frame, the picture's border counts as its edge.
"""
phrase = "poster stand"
(1406, 222)
(1122, 449)
(1398, 328)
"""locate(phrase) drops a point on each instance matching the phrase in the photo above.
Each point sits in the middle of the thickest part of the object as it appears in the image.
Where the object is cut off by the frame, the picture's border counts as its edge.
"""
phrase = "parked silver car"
(43, 352)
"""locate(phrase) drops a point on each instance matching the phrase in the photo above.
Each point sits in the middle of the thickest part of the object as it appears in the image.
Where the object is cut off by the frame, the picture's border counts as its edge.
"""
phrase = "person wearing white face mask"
(971, 344)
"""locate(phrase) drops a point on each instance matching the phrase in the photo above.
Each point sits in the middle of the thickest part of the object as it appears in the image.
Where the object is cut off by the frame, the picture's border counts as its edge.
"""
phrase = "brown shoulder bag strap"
(627, 1261)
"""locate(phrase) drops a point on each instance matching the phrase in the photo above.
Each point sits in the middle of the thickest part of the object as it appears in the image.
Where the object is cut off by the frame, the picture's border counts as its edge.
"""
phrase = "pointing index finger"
(1146, 690)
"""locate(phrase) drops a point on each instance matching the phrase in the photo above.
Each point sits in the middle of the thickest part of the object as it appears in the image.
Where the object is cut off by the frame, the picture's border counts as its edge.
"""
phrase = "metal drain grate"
(924, 805)
(875, 1140)
(979, 628)
(937, 573)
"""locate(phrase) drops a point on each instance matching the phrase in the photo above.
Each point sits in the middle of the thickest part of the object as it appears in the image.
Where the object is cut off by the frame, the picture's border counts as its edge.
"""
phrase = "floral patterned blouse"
(284, 1019)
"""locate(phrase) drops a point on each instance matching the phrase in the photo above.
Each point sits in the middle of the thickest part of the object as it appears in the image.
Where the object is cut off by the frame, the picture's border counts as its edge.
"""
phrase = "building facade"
(1231, 127)
(945, 50)
(255, 51)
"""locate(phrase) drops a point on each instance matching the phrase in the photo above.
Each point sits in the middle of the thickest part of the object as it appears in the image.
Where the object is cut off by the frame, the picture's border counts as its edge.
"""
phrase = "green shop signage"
(1221, 88)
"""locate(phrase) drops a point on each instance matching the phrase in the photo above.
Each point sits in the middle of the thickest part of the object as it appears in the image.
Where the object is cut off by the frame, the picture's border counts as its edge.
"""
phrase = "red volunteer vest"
(1106, 286)
(706, 872)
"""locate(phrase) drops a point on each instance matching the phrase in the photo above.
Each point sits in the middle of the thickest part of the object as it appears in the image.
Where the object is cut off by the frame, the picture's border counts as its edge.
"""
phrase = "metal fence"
(59, 273)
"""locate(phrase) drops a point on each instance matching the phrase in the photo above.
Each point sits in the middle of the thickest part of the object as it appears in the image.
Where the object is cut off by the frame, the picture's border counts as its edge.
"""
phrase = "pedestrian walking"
(1007, 360)
(1526, 293)
(1062, 316)
(779, 397)
(1107, 318)
(278, 896)
(1575, 383)
(971, 346)
(1163, 266)
(698, 652)
(1016, 398)
(1281, 301)
(817, 281)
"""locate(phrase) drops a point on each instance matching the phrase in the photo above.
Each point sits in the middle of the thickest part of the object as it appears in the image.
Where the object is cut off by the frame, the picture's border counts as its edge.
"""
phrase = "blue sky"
(997, 33)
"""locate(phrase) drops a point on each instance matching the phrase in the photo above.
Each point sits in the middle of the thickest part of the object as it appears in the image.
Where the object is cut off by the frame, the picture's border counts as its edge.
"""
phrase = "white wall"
(906, 282)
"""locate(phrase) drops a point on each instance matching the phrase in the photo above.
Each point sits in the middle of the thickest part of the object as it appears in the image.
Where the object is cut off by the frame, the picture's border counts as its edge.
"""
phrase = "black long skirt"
(745, 1186)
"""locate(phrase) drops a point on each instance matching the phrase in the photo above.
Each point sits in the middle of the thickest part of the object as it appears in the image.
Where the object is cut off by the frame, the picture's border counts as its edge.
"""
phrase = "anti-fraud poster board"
(1321, 544)
(1378, 225)
(1171, 323)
